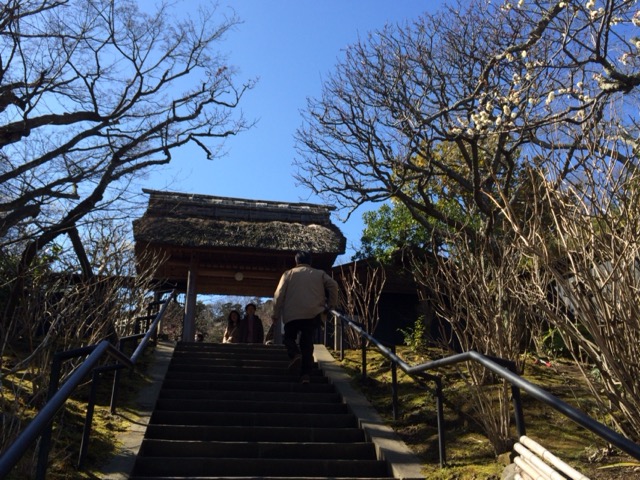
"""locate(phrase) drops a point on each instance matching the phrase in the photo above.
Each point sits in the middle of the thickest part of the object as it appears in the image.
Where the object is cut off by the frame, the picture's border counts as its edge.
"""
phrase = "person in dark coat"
(251, 329)
(303, 295)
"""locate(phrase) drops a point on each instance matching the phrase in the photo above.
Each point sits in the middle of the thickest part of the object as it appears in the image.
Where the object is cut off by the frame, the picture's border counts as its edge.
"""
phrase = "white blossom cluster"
(502, 111)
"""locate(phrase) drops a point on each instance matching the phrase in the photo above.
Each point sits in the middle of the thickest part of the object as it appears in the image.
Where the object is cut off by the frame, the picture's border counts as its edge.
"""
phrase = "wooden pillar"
(189, 325)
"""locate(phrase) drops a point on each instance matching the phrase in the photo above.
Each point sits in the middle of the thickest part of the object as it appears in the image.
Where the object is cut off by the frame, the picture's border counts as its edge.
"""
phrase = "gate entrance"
(230, 246)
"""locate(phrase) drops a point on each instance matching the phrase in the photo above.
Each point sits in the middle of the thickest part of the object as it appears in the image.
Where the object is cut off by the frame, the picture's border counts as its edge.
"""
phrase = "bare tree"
(447, 114)
(62, 310)
(448, 109)
(586, 282)
(360, 291)
(474, 292)
(94, 92)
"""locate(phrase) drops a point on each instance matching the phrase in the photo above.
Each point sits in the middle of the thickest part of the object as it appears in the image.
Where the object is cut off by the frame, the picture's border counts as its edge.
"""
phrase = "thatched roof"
(202, 221)
(198, 232)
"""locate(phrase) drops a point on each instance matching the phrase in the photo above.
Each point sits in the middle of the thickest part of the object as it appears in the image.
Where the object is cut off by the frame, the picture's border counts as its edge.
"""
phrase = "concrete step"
(258, 468)
(241, 395)
(235, 411)
(178, 417)
(249, 406)
(256, 387)
(240, 375)
(226, 365)
(248, 450)
(245, 351)
(202, 363)
(254, 434)
(208, 477)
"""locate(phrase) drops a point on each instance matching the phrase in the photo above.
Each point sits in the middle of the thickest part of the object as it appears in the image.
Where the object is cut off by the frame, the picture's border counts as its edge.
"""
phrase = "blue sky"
(290, 46)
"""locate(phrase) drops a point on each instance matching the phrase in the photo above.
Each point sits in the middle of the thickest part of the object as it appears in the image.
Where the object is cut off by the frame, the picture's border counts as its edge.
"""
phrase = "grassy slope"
(469, 453)
(69, 422)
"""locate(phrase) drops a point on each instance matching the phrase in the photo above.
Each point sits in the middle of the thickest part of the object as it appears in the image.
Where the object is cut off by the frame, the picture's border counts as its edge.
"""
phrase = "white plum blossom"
(550, 97)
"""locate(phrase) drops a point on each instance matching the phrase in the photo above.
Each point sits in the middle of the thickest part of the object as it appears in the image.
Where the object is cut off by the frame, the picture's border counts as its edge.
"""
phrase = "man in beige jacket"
(303, 294)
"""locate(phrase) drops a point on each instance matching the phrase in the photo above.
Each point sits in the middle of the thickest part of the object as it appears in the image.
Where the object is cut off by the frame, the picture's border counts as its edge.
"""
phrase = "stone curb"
(403, 462)
(120, 467)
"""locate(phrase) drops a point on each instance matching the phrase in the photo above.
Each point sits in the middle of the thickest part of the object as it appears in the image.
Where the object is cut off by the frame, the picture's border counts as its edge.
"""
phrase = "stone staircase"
(234, 411)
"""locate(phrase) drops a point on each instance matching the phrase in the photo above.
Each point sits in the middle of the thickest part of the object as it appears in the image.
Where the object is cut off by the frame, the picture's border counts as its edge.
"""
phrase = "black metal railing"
(502, 368)
(41, 426)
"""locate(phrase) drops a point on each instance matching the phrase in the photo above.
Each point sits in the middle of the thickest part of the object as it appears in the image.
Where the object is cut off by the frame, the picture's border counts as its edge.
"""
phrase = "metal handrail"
(42, 422)
(498, 366)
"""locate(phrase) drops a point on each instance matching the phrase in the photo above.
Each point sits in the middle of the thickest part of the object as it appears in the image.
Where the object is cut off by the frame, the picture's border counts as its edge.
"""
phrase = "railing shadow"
(501, 367)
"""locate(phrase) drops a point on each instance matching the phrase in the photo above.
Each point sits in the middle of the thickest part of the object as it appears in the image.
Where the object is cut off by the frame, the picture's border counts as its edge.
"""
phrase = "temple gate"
(230, 246)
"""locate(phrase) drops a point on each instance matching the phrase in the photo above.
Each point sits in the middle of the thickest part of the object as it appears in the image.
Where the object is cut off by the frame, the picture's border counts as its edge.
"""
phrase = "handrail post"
(440, 420)
(517, 403)
(325, 336)
(517, 410)
(45, 436)
(116, 383)
(364, 359)
(156, 297)
(394, 385)
(341, 340)
(88, 420)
